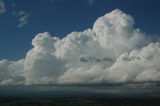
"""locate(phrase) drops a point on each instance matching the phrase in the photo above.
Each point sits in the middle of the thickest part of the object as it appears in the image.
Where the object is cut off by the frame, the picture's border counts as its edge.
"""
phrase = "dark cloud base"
(79, 91)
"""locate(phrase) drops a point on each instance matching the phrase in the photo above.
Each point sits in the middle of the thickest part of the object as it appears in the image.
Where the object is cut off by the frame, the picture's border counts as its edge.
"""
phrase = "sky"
(61, 17)
(106, 43)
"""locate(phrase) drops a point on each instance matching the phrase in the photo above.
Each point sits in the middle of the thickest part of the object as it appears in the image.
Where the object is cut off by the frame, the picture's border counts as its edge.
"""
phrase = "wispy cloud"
(90, 2)
(52, 0)
(22, 17)
(2, 7)
(13, 5)
(23, 20)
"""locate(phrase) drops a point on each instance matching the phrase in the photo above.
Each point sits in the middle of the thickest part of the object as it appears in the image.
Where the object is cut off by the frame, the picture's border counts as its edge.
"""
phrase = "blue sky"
(60, 17)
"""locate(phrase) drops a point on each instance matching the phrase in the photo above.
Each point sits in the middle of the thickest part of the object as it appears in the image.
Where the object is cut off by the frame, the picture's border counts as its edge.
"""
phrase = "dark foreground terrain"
(79, 96)
(80, 102)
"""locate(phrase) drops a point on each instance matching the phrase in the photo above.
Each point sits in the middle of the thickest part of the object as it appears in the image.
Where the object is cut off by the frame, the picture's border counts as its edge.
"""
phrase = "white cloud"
(112, 52)
(23, 20)
(136, 66)
(22, 17)
(2, 7)
(40, 64)
(11, 73)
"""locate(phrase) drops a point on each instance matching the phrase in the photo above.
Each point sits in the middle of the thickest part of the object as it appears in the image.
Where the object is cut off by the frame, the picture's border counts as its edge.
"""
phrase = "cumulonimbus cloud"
(113, 51)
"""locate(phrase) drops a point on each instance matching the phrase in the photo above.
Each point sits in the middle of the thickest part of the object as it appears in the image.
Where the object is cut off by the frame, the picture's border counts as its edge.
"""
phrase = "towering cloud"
(40, 65)
(113, 51)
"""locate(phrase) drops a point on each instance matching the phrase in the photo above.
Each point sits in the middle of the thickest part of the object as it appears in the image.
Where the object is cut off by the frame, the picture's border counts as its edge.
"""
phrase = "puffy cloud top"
(113, 51)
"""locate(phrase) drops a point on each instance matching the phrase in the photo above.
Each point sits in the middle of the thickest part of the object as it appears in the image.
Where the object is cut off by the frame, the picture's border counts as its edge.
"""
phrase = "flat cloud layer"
(113, 51)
